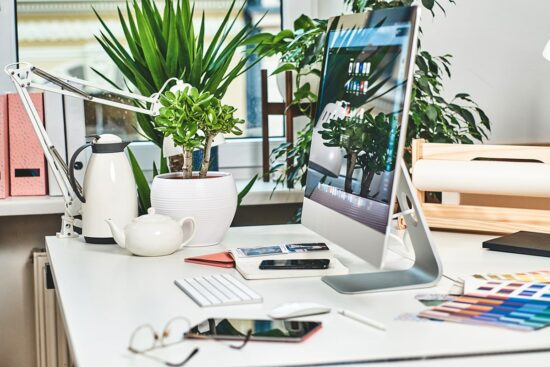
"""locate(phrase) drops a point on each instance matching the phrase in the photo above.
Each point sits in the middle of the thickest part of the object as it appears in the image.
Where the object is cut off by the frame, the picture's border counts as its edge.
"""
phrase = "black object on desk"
(295, 264)
(523, 242)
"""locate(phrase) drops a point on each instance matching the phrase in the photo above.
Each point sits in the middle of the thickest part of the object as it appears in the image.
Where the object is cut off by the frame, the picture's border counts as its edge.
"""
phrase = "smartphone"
(261, 330)
(294, 264)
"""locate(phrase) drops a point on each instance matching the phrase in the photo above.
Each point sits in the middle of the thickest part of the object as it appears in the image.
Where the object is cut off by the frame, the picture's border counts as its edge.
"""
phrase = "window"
(59, 36)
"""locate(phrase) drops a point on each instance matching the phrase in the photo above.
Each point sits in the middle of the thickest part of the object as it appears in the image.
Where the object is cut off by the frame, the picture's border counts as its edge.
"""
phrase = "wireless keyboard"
(218, 290)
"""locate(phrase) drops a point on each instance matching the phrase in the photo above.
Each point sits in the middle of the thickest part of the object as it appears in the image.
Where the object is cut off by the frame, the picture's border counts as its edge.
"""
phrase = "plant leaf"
(143, 189)
(246, 190)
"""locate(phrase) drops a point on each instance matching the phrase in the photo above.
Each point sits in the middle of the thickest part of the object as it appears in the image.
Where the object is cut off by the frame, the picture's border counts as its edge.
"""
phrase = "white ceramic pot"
(211, 201)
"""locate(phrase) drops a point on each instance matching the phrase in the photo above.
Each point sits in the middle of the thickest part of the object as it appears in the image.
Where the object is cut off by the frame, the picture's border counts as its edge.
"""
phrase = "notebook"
(527, 243)
(248, 259)
(219, 259)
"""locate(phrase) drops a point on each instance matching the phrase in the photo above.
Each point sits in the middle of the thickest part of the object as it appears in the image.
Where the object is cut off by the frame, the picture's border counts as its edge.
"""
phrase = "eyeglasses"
(145, 339)
(243, 344)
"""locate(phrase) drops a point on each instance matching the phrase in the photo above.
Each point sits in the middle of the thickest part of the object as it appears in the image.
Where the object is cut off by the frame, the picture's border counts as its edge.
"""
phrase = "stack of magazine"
(248, 259)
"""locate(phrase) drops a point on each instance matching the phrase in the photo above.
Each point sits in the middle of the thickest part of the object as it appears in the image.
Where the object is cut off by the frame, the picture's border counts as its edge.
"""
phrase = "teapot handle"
(72, 180)
(193, 227)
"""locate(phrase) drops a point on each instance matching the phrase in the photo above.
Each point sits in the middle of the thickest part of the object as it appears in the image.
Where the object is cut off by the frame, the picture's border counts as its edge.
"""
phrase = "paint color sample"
(542, 276)
(511, 289)
(513, 305)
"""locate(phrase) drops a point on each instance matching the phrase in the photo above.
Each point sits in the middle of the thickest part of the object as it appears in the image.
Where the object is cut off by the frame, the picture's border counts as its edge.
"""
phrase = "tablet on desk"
(261, 330)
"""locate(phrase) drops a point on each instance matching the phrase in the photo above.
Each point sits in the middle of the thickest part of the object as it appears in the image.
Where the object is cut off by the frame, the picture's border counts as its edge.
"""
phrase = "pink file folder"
(27, 163)
(4, 158)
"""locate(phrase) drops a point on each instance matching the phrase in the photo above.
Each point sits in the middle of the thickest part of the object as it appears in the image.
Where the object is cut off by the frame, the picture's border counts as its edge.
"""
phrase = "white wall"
(497, 47)
(321, 9)
(7, 41)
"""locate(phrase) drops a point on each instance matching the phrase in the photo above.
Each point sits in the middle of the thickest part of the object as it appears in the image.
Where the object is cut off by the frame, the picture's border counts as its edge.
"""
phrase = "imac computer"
(356, 173)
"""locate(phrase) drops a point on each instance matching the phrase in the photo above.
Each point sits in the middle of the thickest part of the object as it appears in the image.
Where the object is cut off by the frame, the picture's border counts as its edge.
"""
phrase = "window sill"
(260, 194)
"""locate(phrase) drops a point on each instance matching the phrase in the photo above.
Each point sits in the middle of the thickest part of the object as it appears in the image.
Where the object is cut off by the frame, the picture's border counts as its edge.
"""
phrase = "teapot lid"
(107, 139)
(152, 217)
(108, 143)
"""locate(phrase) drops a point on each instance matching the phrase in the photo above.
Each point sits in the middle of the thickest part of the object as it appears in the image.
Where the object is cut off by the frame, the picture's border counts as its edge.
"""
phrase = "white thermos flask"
(109, 189)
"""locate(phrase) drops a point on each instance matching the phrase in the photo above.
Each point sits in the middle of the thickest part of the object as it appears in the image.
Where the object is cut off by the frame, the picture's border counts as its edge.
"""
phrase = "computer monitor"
(360, 130)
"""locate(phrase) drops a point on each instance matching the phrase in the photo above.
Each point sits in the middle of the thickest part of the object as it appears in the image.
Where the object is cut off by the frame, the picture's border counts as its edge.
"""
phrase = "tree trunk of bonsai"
(351, 161)
(206, 156)
(175, 162)
(188, 164)
(366, 181)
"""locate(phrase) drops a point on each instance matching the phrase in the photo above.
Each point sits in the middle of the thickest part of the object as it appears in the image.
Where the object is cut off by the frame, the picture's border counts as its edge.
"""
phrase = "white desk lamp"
(22, 74)
(546, 51)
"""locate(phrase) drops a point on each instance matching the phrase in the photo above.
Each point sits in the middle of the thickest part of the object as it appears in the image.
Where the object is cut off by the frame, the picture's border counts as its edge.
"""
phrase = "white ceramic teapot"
(153, 234)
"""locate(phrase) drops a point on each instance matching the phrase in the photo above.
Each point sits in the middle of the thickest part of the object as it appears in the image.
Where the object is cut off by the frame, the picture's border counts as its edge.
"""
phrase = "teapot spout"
(118, 233)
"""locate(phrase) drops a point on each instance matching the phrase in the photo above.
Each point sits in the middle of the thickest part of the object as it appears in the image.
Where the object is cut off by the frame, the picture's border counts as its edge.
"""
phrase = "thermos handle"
(72, 179)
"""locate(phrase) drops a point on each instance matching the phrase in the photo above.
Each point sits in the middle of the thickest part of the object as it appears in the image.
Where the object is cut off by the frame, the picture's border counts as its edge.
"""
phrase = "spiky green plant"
(159, 45)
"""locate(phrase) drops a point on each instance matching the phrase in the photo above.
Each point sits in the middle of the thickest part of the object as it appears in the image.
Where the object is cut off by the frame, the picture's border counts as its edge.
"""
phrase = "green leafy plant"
(301, 51)
(193, 119)
(431, 116)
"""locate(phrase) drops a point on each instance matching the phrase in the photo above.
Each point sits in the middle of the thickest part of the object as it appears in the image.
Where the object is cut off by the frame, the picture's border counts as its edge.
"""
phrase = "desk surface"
(105, 294)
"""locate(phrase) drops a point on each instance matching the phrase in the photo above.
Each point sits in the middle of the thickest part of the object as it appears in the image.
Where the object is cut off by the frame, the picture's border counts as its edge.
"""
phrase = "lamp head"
(546, 52)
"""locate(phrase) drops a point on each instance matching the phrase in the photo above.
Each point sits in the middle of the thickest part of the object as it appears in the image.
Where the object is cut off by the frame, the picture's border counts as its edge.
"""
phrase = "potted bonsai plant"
(193, 119)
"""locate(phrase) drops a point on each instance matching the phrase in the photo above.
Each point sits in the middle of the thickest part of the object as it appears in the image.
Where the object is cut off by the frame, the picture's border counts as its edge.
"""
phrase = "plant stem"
(176, 162)
(188, 164)
(206, 156)
(351, 161)
(366, 181)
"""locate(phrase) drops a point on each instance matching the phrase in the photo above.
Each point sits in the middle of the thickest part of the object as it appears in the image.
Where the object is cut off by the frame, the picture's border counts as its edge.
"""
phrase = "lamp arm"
(21, 74)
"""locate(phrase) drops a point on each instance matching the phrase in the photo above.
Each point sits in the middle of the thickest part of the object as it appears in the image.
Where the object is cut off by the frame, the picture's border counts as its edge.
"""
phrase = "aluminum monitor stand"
(426, 270)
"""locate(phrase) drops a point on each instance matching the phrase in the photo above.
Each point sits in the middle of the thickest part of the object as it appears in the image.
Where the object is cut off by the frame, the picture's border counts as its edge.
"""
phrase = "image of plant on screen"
(365, 140)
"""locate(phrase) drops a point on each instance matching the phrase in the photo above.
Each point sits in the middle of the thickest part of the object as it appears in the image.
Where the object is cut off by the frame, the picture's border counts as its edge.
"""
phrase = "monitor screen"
(356, 138)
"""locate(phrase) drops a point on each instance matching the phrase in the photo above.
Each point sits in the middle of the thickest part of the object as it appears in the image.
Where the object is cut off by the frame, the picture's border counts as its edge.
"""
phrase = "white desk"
(105, 294)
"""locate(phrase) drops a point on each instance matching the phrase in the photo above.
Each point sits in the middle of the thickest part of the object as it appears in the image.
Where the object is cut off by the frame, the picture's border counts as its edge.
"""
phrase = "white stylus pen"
(362, 319)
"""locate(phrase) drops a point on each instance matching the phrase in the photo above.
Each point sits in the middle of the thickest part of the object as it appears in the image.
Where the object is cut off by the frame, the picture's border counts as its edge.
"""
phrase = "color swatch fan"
(509, 304)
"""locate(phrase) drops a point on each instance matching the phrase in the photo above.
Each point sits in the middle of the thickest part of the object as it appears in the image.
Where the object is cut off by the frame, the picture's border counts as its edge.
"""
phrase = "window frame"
(240, 157)
(8, 30)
